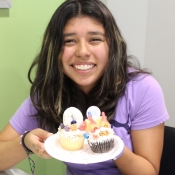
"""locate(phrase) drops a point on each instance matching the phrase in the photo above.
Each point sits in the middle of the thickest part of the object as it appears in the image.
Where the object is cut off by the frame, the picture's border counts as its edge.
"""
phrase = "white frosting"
(69, 115)
(70, 134)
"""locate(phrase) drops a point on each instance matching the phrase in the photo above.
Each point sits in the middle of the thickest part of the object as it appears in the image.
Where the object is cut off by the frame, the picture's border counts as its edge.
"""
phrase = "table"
(13, 171)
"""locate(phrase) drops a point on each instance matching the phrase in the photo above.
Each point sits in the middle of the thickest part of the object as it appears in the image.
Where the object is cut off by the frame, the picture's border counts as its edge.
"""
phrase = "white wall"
(149, 29)
(131, 19)
(160, 49)
(104, 1)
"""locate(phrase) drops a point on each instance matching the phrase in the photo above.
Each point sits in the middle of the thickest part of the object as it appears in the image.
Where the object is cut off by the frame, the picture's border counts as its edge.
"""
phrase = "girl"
(83, 62)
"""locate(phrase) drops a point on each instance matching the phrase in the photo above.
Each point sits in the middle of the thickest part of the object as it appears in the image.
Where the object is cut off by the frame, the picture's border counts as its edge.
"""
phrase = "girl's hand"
(34, 140)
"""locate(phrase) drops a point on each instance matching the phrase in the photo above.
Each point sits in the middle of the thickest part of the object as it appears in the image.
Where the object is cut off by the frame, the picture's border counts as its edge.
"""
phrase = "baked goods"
(71, 138)
(100, 135)
(102, 140)
(96, 129)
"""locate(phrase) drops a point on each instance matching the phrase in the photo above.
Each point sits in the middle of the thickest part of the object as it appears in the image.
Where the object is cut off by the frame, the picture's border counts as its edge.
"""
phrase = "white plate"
(83, 156)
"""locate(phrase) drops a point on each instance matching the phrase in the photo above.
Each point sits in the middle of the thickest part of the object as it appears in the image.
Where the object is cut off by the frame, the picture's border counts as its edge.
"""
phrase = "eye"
(69, 41)
(95, 39)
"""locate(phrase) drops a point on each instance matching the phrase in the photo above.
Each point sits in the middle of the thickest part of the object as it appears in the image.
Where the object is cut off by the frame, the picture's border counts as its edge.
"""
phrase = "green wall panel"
(21, 32)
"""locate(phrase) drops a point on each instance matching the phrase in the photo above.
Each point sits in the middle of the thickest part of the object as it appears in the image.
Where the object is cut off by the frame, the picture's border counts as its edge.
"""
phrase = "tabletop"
(13, 171)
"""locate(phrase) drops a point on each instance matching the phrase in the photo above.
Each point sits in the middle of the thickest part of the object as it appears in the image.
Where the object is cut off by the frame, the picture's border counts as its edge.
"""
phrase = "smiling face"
(85, 53)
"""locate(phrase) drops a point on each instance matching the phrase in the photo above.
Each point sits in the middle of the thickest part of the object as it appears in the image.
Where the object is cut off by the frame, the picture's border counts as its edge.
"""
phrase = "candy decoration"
(73, 122)
(86, 135)
(62, 126)
(94, 129)
(73, 127)
(93, 125)
(91, 120)
(104, 122)
(88, 125)
(82, 126)
(67, 128)
(95, 137)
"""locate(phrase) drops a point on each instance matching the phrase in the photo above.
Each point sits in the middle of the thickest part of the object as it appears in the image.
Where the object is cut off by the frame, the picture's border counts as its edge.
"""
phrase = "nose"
(83, 50)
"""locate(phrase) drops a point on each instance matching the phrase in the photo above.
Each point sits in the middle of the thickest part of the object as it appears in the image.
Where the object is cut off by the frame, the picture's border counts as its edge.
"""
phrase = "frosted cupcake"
(71, 138)
(102, 140)
(99, 134)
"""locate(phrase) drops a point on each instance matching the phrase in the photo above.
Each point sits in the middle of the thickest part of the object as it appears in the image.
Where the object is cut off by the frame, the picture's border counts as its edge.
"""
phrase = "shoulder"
(28, 106)
(141, 85)
(23, 119)
(141, 81)
(144, 86)
(146, 100)
(144, 81)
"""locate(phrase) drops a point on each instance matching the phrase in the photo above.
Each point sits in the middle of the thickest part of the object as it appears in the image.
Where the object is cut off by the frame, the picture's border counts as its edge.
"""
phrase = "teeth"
(83, 67)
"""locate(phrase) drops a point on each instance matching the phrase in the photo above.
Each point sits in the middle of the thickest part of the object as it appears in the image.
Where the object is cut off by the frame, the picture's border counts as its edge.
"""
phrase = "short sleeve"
(23, 119)
(151, 108)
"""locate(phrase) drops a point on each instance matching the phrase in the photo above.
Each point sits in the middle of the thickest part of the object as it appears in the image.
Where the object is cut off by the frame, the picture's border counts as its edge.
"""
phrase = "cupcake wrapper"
(101, 147)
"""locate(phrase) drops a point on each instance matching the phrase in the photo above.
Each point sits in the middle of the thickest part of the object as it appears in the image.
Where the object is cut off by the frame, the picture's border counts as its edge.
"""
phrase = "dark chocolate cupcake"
(102, 140)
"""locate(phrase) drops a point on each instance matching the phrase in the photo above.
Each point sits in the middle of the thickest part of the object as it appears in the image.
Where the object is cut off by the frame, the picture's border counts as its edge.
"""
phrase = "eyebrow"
(89, 33)
(96, 33)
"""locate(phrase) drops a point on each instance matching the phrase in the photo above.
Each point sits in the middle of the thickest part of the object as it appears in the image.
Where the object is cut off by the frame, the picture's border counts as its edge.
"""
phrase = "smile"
(83, 67)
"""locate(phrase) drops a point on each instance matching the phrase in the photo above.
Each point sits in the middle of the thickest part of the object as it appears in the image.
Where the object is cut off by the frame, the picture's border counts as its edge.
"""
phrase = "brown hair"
(52, 91)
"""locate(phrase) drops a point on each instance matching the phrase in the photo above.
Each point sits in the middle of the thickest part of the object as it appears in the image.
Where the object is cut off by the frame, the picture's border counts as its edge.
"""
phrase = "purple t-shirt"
(142, 106)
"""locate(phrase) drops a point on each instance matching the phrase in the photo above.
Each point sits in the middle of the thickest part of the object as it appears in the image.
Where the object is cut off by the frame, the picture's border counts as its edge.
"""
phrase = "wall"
(131, 18)
(160, 49)
(148, 28)
(21, 31)
(104, 1)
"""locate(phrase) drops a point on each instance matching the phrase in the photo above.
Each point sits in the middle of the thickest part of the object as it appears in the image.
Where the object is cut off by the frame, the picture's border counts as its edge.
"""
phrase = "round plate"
(83, 156)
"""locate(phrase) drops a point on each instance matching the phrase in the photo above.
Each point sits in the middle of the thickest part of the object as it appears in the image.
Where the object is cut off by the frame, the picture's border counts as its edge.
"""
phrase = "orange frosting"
(90, 125)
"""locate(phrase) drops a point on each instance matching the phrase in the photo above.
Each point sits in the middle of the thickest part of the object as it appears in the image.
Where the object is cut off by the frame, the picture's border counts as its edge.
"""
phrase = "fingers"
(42, 153)
(41, 133)
(38, 145)
(34, 140)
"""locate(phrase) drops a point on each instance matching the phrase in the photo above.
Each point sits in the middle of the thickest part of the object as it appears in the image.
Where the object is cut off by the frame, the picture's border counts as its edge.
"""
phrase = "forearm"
(11, 153)
(132, 164)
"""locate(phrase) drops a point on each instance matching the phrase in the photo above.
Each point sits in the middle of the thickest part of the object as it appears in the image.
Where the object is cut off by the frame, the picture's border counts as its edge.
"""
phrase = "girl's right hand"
(34, 141)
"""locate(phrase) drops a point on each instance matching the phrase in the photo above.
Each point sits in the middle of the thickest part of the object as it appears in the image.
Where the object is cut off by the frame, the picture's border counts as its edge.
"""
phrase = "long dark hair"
(52, 91)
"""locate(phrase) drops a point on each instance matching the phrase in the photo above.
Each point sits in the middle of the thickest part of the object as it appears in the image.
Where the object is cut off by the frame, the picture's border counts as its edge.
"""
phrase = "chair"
(167, 165)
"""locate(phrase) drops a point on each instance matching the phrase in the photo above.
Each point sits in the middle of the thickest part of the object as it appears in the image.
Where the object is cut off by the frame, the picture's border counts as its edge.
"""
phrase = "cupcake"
(102, 140)
(100, 135)
(70, 137)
